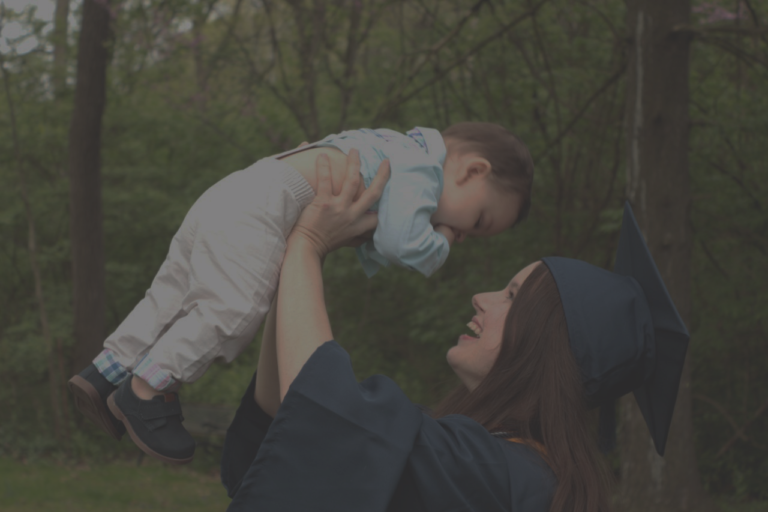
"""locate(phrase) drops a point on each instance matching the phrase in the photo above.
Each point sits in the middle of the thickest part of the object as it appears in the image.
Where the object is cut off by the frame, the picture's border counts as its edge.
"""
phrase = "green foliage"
(95, 487)
(188, 106)
(730, 297)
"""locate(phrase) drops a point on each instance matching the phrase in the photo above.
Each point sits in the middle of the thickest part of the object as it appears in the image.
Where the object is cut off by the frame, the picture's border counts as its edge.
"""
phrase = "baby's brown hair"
(511, 162)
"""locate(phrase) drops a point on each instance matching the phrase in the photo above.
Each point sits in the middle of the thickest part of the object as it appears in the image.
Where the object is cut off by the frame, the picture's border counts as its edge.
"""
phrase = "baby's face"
(469, 204)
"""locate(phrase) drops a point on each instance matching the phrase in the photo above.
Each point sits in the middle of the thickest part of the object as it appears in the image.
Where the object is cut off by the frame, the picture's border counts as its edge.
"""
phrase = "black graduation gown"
(338, 445)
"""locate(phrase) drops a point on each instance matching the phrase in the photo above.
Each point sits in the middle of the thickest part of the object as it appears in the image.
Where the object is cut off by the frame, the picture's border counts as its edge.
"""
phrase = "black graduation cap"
(625, 333)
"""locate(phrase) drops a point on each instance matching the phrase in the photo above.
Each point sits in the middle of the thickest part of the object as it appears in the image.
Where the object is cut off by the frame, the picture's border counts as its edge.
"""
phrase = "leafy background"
(198, 90)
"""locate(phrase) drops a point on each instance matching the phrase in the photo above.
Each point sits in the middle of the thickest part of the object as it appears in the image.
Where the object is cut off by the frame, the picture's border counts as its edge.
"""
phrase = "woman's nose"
(476, 303)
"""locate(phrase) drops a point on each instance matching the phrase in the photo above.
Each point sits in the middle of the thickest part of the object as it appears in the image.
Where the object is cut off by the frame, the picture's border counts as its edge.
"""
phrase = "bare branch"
(396, 99)
(291, 106)
(740, 431)
(712, 259)
(256, 75)
(720, 29)
(734, 50)
(606, 85)
(738, 181)
(276, 53)
(438, 46)
(709, 254)
(587, 236)
(462, 97)
(616, 33)
(752, 12)
(350, 59)
(228, 138)
(722, 410)
(550, 85)
(214, 60)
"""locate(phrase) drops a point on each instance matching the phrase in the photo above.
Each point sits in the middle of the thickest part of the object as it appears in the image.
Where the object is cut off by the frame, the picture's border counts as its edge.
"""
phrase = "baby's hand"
(448, 232)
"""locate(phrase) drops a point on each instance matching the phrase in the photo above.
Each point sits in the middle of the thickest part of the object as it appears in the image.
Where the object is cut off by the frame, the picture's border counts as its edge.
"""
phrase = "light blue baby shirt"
(404, 235)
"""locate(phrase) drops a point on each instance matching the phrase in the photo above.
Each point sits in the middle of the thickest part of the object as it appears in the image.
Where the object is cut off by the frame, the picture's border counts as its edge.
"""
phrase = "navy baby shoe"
(154, 425)
(90, 390)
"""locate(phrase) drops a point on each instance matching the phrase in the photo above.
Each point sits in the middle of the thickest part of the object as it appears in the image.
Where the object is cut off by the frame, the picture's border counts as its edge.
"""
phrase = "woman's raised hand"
(333, 221)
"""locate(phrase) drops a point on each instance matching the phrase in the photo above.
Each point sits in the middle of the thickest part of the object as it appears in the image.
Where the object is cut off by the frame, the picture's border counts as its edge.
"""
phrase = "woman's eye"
(511, 295)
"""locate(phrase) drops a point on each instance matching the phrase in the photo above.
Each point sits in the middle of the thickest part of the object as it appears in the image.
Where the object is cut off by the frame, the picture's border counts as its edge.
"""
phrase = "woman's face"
(473, 356)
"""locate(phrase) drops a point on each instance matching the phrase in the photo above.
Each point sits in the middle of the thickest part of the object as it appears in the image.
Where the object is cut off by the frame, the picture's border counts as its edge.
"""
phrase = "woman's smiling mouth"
(475, 327)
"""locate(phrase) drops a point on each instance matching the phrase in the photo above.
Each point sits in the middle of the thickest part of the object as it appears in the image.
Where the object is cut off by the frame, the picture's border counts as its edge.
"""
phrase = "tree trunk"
(659, 190)
(60, 47)
(85, 182)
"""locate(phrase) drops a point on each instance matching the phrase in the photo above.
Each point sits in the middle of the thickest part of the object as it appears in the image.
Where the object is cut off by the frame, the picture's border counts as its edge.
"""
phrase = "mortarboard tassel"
(606, 430)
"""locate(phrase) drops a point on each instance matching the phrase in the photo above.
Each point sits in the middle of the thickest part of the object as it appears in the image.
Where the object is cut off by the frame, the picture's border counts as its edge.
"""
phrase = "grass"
(45, 486)
(755, 506)
(116, 487)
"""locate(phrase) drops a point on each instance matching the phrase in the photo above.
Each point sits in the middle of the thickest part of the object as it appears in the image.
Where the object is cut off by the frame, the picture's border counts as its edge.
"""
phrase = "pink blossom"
(196, 41)
(716, 13)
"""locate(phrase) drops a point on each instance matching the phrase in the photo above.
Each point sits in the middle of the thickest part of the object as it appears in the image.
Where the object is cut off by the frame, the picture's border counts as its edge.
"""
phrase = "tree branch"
(737, 52)
(396, 99)
(724, 412)
(218, 131)
(214, 59)
(256, 75)
(606, 85)
(712, 259)
(438, 46)
(606, 198)
(550, 83)
(740, 432)
(737, 180)
(276, 53)
(699, 30)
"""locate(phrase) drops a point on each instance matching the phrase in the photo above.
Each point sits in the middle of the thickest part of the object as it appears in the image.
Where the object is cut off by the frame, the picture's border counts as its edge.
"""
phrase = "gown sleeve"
(339, 445)
(244, 437)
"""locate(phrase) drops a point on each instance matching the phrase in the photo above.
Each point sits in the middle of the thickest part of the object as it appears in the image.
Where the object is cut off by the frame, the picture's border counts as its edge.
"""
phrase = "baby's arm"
(405, 235)
(447, 233)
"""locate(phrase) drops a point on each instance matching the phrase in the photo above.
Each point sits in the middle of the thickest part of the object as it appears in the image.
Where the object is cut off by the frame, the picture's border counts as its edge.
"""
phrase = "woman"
(562, 336)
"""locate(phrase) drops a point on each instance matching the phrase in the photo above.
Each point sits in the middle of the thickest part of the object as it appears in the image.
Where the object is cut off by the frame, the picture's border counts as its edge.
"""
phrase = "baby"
(217, 283)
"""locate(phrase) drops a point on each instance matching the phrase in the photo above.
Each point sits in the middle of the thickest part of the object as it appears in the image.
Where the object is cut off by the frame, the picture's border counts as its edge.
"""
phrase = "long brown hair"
(511, 162)
(534, 390)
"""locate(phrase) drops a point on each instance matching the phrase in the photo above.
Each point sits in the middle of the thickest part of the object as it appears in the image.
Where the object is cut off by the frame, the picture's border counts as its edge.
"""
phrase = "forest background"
(198, 89)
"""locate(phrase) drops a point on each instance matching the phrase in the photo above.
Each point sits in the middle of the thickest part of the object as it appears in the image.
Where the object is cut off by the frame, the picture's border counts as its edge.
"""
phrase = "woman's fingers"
(352, 179)
(369, 224)
(362, 231)
(373, 193)
(324, 178)
(333, 221)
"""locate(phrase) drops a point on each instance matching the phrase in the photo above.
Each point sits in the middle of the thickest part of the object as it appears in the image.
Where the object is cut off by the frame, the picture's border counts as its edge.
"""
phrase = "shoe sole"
(146, 449)
(89, 402)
